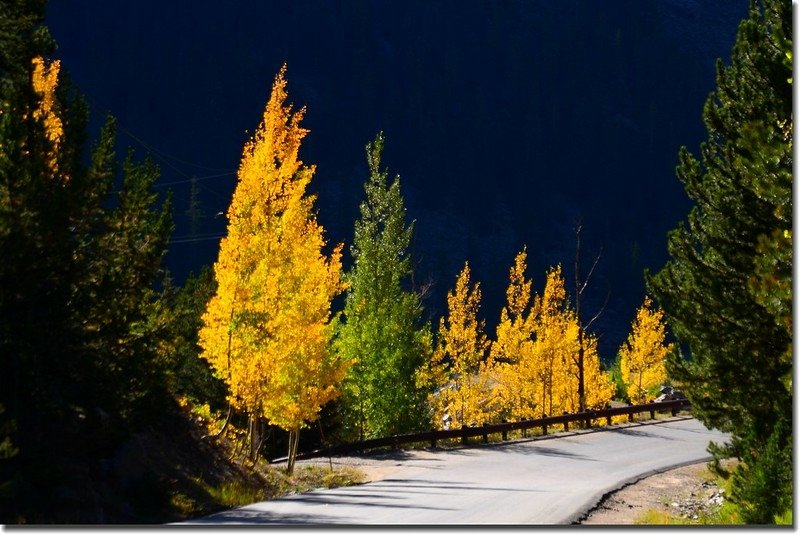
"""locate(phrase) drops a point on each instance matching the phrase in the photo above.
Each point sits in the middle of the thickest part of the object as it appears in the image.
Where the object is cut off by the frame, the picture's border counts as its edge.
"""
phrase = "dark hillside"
(505, 120)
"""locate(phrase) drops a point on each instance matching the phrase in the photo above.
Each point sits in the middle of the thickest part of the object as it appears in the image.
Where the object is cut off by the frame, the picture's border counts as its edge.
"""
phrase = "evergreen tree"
(383, 334)
(77, 340)
(182, 310)
(726, 291)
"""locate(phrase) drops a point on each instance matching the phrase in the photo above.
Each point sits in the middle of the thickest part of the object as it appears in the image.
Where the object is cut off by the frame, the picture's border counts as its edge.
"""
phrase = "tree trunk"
(581, 383)
(360, 414)
(580, 286)
(253, 437)
(294, 439)
(578, 292)
(224, 426)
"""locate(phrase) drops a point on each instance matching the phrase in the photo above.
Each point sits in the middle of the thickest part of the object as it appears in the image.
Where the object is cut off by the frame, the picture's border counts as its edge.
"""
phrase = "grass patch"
(265, 483)
(311, 476)
(237, 493)
(784, 519)
(654, 517)
(183, 505)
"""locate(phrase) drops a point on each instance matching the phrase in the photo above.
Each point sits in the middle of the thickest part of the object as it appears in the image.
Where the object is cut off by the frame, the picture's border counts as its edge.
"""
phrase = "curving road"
(547, 480)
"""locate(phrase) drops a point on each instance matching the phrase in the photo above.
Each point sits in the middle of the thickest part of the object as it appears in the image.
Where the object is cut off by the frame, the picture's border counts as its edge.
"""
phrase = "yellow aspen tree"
(267, 329)
(45, 82)
(598, 385)
(552, 348)
(557, 343)
(516, 368)
(459, 371)
(643, 354)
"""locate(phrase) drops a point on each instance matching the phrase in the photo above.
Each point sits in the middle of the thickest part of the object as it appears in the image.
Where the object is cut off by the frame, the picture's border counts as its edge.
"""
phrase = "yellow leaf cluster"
(459, 370)
(266, 331)
(514, 351)
(643, 354)
(45, 82)
(536, 352)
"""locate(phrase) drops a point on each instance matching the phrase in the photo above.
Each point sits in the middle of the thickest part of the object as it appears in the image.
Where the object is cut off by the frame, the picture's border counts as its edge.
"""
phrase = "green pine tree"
(727, 289)
(78, 338)
(383, 333)
(182, 310)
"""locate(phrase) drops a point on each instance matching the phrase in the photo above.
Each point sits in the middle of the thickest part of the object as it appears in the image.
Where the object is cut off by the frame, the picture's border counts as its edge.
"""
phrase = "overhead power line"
(192, 239)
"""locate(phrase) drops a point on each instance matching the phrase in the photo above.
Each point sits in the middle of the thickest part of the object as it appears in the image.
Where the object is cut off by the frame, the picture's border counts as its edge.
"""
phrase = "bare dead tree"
(580, 287)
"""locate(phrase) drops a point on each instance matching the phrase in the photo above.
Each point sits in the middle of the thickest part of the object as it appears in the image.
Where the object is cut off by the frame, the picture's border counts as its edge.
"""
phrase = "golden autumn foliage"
(643, 354)
(556, 343)
(45, 82)
(534, 354)
(266, 331)
(459, 370)
(517, 368)
(557, 330)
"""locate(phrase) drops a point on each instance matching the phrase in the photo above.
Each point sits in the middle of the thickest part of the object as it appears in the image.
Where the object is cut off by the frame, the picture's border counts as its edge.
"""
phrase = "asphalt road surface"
(543, 481)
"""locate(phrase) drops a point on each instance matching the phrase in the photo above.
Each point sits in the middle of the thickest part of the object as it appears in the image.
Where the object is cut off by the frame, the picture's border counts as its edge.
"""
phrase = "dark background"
(507, 120)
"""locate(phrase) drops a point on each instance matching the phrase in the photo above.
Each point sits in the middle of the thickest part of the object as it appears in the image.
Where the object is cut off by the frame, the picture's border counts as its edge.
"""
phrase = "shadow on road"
(253, 516)
(434, 484)
(639, 433)
(332, 500)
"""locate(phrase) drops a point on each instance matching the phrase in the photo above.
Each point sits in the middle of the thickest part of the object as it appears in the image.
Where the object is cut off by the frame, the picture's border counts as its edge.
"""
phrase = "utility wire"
(166, 157)
(192, 239)
(197, 178)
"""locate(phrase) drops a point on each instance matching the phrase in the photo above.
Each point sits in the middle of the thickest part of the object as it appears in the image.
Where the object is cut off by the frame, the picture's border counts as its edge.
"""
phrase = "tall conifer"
(383, 334)
(77, 344)
(726, 291)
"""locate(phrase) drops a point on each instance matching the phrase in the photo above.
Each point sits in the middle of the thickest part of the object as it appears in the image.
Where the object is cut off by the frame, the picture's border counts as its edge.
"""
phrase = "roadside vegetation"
(703, 509)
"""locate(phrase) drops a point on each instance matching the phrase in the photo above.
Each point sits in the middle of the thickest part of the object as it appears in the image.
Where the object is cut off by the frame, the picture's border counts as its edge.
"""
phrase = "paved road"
(549, 480)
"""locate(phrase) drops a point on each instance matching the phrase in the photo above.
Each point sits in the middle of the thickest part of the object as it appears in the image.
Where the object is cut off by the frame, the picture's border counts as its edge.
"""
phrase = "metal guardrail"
(464, 433)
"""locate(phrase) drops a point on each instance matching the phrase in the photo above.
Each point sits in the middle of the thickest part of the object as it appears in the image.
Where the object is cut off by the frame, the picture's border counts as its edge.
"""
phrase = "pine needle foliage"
(78, 344)
(383, 334)
(726, 291)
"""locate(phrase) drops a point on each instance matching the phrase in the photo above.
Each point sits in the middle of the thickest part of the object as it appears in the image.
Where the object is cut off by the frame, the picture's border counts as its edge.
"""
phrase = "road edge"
(593, 503)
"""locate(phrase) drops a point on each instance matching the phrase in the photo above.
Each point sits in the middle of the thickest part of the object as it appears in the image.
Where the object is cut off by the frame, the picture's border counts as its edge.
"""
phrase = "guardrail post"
(608, 420)
(433, 439)
(630, 416)
(505, 432)
(544, 426)
(464, 435)
(652, 415)
(674, 411)
(566, 423)
(485, 433)
(524, 429)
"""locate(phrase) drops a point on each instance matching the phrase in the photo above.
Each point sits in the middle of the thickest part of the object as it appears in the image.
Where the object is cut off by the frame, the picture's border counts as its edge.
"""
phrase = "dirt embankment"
(686, 492)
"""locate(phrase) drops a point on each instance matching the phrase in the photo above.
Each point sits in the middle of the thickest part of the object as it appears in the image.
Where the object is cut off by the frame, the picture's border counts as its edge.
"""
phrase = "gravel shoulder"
(686, 491)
